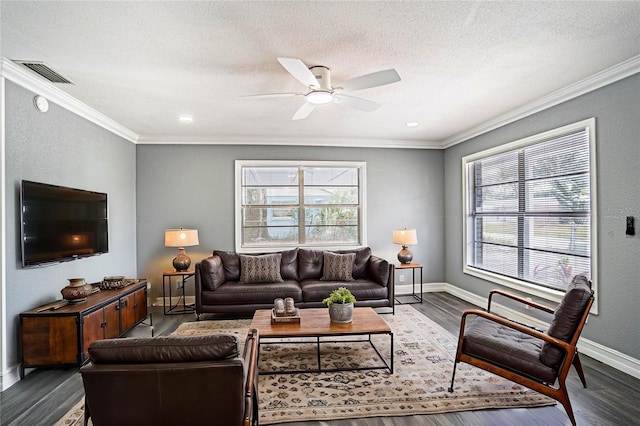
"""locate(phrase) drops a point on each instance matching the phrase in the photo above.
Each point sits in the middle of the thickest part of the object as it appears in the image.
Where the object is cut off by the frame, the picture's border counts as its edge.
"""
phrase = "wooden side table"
(413, 267)
(177, 308)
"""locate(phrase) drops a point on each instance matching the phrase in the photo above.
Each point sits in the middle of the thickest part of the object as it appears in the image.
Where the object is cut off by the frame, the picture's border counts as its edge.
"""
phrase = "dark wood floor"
(612, 398)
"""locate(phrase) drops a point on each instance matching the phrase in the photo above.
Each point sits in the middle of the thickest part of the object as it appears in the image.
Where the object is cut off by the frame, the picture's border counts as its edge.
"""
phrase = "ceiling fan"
(321, 92)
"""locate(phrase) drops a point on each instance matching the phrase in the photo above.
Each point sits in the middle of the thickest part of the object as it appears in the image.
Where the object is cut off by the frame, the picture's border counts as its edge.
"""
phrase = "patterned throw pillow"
(338, 267)
(260, 269)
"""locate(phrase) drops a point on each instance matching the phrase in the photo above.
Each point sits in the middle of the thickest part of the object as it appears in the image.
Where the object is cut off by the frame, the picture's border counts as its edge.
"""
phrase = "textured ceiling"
(142, 64)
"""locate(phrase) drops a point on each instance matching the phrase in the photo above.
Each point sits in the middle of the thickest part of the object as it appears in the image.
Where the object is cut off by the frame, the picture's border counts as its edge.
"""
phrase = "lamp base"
(181, 262)
(404, 255)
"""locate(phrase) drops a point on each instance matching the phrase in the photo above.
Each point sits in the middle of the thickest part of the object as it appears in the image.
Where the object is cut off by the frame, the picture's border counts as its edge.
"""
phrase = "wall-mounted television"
(59, 224)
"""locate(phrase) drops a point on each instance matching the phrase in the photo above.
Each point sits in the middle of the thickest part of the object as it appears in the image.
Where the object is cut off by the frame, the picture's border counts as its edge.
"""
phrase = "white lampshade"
(405, 237)
(181, 237)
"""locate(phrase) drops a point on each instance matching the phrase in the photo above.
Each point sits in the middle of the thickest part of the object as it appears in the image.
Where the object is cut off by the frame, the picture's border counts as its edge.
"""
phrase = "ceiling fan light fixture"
(319, 97)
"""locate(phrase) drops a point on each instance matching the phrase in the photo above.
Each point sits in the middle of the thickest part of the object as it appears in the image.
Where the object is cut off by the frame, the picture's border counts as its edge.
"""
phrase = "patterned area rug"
(423, 359)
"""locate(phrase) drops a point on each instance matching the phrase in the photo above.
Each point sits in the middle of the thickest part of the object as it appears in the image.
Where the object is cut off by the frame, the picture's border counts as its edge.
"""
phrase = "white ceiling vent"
(45, 71)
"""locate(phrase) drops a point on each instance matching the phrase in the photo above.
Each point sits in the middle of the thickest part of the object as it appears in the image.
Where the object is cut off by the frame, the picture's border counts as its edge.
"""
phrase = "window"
(529, 214)
(282, 204)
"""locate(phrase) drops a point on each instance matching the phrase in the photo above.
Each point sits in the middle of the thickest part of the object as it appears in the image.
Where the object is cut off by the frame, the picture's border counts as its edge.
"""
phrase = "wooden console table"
(59, 336)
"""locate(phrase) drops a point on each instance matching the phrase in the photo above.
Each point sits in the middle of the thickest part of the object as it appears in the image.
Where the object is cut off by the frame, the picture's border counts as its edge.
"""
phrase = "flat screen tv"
(59, 224)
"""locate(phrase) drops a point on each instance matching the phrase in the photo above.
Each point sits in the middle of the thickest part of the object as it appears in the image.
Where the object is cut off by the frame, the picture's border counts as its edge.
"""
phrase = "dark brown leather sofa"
(218, 285)
(172, 380)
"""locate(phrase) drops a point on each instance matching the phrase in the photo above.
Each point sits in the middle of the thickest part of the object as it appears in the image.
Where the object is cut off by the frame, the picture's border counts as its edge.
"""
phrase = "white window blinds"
(529, 210)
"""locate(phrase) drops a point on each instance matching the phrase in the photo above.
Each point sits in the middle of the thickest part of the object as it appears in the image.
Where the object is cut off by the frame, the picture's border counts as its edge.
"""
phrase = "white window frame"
(360, 165)
(514, 283)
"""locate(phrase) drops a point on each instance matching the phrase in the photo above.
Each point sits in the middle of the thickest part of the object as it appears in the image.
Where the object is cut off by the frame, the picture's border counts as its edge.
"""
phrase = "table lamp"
(405, 237)
(181, 238)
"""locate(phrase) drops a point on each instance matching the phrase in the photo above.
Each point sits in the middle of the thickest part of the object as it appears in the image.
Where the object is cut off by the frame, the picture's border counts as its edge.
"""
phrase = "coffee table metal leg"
(388, 363)
(382, 358)
(391, 335)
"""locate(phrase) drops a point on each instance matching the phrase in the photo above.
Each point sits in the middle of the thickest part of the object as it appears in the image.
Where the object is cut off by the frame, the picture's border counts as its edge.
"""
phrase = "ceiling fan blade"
(299, 70)
(375, 79)
(273, 95)
(357, 103)
(304, 111)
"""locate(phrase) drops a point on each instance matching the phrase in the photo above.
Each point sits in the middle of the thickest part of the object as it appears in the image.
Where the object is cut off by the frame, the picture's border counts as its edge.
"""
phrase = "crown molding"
(608, 76)
(30, 81)
(288, 141)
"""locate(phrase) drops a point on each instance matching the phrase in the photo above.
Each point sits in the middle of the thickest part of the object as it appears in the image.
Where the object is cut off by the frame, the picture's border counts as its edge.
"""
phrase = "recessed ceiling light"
(185, 118)
(412, 124)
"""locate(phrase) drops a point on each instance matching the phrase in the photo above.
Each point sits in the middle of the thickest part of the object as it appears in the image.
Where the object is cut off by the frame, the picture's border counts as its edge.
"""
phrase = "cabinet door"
(49, 340)
(140, 304)
(112, 320)
(92, 330)
(127, 312)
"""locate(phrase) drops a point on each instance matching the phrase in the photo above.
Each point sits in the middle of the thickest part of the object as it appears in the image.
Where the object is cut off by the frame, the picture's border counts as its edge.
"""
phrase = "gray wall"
(61, 148)
(193, 186)
(617, 111)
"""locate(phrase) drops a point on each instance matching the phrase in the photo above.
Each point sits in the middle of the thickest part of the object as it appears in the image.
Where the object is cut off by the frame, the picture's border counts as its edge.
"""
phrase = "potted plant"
(340, 303)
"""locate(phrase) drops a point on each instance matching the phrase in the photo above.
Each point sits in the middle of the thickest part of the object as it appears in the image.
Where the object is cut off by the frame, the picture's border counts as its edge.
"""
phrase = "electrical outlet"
(179, 284)
(401, 278)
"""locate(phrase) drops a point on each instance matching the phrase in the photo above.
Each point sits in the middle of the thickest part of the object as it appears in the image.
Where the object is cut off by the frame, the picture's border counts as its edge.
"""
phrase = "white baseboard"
(606, 355)
(10, 377)
(406, 289)
(189, 300)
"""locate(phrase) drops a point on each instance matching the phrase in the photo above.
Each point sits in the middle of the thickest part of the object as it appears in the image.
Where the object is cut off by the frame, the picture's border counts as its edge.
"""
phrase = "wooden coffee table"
(315, 324)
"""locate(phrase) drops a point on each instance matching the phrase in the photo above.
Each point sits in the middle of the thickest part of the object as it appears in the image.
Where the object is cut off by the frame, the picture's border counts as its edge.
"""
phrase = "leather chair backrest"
(566, 318)
(195, 380)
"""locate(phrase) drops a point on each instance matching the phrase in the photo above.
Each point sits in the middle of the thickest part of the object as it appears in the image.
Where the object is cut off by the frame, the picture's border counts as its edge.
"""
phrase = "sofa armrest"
(209, 274)
(380, 271)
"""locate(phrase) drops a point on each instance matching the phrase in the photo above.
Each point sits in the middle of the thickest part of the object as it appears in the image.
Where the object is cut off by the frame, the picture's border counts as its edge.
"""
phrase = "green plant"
(341, 295)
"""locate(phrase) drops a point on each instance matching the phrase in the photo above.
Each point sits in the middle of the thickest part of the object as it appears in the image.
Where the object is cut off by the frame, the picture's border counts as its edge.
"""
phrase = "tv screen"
(61, 224)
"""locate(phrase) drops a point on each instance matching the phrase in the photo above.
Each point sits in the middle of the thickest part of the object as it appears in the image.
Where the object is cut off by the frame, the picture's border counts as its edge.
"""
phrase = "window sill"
(522, 286)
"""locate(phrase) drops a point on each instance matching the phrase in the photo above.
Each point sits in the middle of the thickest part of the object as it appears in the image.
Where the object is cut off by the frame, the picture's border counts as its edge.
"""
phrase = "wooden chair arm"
(251, 345)
(567, 347)
(518, 299)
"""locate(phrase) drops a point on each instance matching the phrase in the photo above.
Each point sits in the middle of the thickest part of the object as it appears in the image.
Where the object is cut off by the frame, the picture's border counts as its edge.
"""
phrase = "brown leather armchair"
(530, 357)
(172, 380)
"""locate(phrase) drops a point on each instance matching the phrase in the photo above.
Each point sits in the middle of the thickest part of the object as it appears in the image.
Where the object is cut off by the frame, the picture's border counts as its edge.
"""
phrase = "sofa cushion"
(310, 264)
(164, 349)
(238, 293)
(361, 263)
(263, 268)
(289, 264)
(362, 290)
(566, 318)
(494, 342)
(231, 264)
(338, 267)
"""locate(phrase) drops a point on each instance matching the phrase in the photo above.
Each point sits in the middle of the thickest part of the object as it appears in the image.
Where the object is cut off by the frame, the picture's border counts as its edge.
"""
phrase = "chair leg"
(563, 398)
(578, 365)
(453, 376)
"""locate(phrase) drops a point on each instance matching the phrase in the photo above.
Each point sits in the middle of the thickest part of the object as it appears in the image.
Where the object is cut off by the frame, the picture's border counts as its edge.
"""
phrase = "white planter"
(341, 313)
